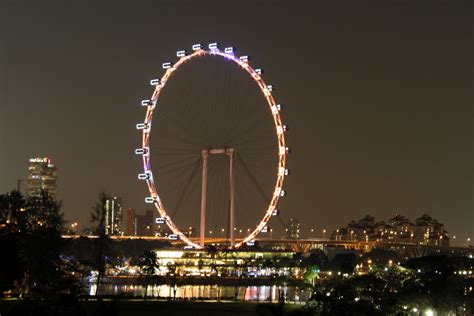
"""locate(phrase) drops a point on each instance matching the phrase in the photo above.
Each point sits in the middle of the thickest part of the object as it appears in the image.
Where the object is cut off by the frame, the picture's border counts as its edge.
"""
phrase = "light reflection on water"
(208, 292)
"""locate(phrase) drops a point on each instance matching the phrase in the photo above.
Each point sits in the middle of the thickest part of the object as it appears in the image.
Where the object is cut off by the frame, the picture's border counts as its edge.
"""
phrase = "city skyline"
(367, 136)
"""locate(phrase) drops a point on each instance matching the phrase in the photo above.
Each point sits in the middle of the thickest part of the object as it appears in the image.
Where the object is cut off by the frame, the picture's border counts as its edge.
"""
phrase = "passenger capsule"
(160, 220)
(144, 176)
(213, 46)
(143, 126)
(229, 50)
(154, 82)
(167, 65)
(181, 53)
(151, 199)
(141, 151)
(147, 102)
(197, 47)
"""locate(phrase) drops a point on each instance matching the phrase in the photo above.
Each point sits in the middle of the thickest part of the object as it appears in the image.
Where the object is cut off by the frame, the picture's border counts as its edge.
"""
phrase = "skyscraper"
(131, 231)
(113, 216)
(42, 175)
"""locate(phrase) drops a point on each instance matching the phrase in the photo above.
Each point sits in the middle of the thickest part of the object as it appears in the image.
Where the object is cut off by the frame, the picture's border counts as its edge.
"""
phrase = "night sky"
(378, 97)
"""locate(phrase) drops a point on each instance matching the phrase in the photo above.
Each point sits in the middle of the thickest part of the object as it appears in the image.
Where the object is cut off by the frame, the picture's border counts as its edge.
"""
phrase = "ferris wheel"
(214, 149)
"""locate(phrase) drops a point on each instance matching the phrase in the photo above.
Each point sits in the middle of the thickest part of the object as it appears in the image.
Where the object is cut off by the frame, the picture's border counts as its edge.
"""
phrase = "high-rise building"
(113, 216)
(42, 175)
(131, 231)
(144, 224)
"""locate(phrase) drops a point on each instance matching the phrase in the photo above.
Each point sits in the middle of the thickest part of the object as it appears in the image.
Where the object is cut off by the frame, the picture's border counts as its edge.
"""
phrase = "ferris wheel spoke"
(254, 180)
(174, 163)
(186, 188)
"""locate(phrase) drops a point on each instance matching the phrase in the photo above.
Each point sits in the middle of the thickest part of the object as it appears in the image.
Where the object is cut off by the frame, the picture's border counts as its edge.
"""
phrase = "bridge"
(307, 245)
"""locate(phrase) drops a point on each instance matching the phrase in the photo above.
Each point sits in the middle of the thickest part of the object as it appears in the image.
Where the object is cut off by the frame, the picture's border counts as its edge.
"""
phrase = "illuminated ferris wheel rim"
(144, 151)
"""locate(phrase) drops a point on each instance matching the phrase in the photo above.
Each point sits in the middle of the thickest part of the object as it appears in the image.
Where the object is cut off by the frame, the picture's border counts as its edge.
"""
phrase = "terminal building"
(42, 175)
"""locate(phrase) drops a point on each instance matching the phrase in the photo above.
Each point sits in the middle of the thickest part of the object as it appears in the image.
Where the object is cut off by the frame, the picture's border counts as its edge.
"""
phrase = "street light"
(324, 233)
(74, 227)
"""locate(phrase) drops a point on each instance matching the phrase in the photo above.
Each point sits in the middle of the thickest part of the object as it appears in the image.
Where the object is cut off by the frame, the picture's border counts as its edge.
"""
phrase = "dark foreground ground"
(141, 307)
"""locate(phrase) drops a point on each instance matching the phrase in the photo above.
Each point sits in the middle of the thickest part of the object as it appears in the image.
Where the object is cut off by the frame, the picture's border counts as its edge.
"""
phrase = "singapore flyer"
(213, 148)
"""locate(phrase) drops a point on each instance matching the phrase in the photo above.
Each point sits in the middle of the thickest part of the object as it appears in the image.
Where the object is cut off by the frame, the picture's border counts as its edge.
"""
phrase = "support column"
(202, 231)
(230, 153)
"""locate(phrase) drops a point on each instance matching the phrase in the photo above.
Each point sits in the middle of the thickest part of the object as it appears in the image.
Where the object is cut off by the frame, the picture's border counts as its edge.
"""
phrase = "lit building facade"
(425, 231)
(113, 216)
(42, 175)
(143, 225)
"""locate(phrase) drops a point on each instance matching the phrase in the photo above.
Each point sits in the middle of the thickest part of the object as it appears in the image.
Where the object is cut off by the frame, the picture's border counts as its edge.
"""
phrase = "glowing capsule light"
(213, 46)
(245, 58)
(275, 213)
(143, 126)
(279, 107)
(288, 150)
(274, 109)
(259, 71)
(229, 50)
(197, 47)
(281, 129)
(160, 220)
(270, 88)
(282, 193)
(167, 65)
(264, 229)
(144, 176)
(181, 53)
(251, 243)
(173, 237)
(147, 102)
(154, 82)
(283, 172)
(141, 151)
(256, 74)
(277, 191)
(151, 199)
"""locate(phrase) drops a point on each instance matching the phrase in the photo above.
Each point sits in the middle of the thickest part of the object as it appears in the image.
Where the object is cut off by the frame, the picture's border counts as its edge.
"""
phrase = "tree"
(98, 217)
(41, 244)
(11, 266)
(311, 274)
(31, 234)
(148, 266)
(344, 262)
